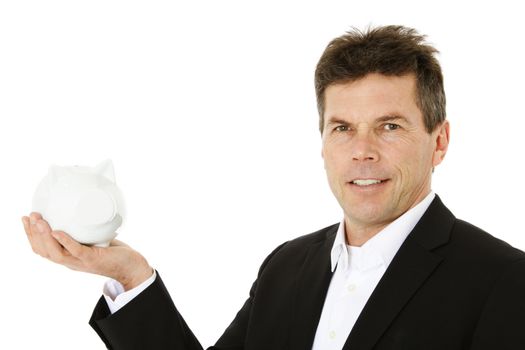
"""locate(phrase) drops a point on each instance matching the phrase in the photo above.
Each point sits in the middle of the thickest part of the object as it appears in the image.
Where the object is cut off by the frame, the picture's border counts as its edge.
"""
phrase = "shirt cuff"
(116, 297)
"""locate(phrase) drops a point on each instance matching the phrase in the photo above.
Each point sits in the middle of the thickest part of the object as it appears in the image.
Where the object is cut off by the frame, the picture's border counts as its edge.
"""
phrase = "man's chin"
(367, 213)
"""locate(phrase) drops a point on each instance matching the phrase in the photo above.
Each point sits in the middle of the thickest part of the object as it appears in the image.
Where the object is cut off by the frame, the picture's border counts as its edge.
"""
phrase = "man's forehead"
(373, 96)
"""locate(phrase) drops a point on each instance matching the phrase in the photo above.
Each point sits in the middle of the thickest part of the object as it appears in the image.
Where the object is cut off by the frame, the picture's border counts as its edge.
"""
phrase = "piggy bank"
(82, 201)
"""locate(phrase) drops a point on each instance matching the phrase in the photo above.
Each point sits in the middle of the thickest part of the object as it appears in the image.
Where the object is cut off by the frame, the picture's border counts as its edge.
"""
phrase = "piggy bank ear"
(105, 168)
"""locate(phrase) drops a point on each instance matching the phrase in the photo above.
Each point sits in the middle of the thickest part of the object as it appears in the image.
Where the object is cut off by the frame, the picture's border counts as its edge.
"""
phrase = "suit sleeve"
(151, 321)
(502, 323)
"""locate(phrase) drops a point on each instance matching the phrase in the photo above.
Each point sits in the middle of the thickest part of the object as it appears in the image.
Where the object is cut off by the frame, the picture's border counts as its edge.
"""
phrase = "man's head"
(391, 51)
(382, 132)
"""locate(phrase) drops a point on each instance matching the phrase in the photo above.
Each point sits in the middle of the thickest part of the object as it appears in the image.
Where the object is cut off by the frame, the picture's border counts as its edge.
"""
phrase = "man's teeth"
(366, 182)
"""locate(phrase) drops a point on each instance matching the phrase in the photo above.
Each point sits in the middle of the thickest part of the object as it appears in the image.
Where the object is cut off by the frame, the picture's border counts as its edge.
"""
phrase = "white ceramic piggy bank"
(82, 201)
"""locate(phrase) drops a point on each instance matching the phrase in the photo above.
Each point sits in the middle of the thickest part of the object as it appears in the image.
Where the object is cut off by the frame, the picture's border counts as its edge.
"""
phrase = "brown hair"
(389, 50)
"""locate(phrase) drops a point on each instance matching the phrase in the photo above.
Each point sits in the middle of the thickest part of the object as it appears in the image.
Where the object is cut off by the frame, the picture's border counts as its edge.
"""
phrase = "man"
(399, 272)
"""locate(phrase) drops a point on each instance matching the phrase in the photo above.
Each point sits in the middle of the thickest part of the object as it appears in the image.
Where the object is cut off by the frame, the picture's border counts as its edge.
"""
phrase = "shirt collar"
(382, 247)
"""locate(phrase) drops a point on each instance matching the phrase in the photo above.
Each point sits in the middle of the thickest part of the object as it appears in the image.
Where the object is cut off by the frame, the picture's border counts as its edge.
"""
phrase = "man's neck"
(357, 235)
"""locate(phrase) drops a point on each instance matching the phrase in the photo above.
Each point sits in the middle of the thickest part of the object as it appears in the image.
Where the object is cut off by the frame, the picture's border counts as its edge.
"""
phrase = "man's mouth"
(367, 182)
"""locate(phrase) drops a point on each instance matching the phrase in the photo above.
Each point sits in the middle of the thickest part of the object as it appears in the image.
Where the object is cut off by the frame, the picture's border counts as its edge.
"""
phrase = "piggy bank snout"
(95, 207)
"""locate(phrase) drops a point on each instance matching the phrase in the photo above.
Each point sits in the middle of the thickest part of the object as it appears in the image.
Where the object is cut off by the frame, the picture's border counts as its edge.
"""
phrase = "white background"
(208, 113)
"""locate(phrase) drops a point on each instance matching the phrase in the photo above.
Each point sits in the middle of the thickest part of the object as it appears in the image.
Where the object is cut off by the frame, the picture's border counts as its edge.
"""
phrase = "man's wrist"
(136, 276)
(138, 279)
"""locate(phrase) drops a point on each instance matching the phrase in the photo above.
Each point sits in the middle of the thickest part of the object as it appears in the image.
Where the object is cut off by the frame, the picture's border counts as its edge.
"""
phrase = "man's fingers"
(33, 234)
(34, 217)
(76, 249)
(25, 222)
(32, 231)
(54, 251)
(39, 234)
(29, 233)
(62, 249)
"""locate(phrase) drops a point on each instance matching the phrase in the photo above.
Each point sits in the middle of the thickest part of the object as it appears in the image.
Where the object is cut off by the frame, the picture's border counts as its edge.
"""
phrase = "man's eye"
(341, 128)
(391, 126)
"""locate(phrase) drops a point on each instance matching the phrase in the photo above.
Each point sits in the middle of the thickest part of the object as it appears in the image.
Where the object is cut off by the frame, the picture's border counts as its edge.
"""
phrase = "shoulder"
(481, 243)
(479, 256)
(293, 252)
(319, 236)
(460, 241)
(323, 237)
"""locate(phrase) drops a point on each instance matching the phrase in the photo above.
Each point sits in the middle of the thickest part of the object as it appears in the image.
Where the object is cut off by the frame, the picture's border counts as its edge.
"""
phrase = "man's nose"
(364, 145)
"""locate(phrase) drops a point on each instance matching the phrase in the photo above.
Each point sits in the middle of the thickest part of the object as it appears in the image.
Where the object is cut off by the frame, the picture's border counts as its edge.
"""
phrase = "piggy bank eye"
(95, 207)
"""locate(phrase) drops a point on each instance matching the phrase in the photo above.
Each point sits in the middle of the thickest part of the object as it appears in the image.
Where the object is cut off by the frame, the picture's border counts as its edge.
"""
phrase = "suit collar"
(433, 230)
(383, 246)
(312, 285)
(410, 268)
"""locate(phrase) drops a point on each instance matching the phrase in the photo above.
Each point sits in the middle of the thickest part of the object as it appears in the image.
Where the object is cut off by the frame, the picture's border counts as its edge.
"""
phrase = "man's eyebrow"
(336, 120)
(392, 118)
(386, 118)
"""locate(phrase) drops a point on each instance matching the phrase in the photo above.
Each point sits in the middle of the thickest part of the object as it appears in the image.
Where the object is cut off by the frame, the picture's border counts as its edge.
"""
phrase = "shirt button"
(351, 287)
(332, 335)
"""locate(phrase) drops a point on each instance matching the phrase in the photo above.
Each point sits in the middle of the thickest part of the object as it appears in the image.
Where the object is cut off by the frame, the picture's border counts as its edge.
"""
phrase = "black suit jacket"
(450, 286)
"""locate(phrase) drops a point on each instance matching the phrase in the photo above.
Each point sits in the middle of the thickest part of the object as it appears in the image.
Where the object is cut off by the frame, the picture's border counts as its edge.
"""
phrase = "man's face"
(377, 153)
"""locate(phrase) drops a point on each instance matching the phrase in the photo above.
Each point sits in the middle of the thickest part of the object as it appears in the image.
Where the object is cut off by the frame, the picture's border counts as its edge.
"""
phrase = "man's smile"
(366, 182)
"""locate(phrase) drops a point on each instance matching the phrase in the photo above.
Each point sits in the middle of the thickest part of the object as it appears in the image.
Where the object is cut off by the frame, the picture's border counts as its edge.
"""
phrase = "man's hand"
(118, 261)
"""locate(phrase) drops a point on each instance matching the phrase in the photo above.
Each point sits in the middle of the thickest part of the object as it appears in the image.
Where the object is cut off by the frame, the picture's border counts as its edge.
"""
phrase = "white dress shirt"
(116, 297)
(357, 272)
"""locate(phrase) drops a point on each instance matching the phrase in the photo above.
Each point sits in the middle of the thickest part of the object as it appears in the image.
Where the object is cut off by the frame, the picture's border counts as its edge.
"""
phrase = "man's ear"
(322, 145)
(441, 137)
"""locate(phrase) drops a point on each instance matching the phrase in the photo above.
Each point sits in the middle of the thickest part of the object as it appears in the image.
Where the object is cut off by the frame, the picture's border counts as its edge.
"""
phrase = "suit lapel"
(312, 285)
(410, 268)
